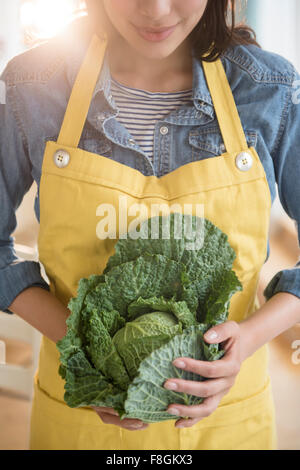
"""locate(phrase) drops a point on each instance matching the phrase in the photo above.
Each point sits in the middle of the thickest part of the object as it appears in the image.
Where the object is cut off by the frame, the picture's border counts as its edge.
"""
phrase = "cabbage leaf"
(153, 302)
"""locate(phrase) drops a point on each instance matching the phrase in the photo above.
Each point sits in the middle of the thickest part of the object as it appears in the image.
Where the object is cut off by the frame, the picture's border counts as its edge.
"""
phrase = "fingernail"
(171, 386)
(179, 363)
(173, 411)
(211, 335)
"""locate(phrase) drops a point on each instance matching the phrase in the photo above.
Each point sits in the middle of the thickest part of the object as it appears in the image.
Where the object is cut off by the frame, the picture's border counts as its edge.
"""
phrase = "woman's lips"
(155, 35)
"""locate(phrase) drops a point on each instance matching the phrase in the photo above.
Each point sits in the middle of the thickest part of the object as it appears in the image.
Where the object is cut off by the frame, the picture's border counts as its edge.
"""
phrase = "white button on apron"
(244, 161)
(164, 130)
(61, 158)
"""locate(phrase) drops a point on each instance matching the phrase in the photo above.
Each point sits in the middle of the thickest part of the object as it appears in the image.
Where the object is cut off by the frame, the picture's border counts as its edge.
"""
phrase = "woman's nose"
(156, 10)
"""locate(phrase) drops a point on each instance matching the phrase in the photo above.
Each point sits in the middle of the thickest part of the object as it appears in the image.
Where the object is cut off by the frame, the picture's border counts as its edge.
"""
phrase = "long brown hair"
(216, 31)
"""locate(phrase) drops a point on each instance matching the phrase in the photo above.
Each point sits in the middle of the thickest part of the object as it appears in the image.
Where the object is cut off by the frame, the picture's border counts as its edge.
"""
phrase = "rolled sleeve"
(16, 274)
(286, 158)
(18, 277)
(287, 280)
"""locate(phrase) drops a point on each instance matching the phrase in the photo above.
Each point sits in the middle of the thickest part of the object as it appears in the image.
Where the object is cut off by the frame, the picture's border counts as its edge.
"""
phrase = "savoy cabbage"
(153, 302)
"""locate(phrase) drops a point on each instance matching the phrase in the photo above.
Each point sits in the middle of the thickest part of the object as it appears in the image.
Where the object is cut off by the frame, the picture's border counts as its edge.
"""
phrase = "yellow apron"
(236, 198)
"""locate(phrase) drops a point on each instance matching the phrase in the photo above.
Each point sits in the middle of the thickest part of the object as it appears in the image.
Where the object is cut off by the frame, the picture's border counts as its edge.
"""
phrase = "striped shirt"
(139, 110)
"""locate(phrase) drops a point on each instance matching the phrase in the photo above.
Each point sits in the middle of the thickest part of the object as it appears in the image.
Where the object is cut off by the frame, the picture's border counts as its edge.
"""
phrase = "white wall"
(10, 33)
(276, 24)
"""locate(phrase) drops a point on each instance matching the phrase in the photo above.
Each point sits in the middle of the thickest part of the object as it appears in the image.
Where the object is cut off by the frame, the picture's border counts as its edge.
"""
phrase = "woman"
(151, 105)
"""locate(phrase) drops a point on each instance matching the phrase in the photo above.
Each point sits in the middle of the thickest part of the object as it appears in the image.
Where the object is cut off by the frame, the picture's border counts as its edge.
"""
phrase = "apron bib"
(234, 191)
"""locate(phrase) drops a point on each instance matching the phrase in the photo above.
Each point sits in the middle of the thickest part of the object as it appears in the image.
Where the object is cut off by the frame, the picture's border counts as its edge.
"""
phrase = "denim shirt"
(34, 91)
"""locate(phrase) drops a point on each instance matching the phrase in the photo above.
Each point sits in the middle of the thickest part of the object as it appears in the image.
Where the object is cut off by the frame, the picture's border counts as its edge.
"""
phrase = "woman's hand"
(222, 374)
(110, 416)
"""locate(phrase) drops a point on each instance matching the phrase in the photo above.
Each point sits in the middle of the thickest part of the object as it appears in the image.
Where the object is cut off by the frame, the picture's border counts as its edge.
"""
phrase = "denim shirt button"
(131, 141)
(164, 130)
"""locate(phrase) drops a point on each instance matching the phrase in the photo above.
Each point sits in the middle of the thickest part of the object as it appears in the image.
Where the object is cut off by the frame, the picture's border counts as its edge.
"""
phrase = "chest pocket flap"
(93, 141)
(209, 142)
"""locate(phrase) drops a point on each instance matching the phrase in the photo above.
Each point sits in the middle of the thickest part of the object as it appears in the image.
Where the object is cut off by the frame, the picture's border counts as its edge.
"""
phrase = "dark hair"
(216, 31)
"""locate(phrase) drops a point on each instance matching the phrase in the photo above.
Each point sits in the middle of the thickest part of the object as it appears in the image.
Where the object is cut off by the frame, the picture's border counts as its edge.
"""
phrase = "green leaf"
(204, 259)
(72, 342)
(179, 309)
(101, 350)
(147, 399)
(140, 349)
(154, 301)
(140, 337)
(85, 386)
(147, 276)
(218, 301)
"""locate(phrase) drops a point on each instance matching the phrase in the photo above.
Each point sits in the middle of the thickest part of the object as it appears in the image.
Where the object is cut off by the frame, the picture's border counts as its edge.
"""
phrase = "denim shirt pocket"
(209, 142)
(93, 141)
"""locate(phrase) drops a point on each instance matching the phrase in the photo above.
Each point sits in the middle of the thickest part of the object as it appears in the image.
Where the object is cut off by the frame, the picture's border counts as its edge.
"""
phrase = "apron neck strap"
(82, 93)
(225, 107)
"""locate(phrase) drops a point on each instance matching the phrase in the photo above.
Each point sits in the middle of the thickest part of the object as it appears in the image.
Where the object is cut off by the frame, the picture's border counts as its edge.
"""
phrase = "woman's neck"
(171, 74)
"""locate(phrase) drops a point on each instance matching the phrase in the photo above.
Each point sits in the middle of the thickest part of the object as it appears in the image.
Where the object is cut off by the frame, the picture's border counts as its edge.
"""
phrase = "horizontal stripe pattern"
(139, 110)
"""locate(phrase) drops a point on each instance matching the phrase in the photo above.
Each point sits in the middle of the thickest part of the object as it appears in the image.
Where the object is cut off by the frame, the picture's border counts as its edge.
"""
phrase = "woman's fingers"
(203, 389)
(225, 367)
(196, 412)
(129, 424)
(104, 409)
(187, 422)
(223, 331)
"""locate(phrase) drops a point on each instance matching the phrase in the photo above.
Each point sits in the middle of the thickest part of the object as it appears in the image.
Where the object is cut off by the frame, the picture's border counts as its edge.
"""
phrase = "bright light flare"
(46, 18)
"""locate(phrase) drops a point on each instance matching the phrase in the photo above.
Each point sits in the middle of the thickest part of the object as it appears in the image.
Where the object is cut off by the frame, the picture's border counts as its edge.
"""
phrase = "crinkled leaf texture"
(156, 297)
(147, 399)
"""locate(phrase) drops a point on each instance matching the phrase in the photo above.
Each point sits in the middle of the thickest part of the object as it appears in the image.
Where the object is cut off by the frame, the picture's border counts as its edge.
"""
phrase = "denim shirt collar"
(201, 95)
(102, 98)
